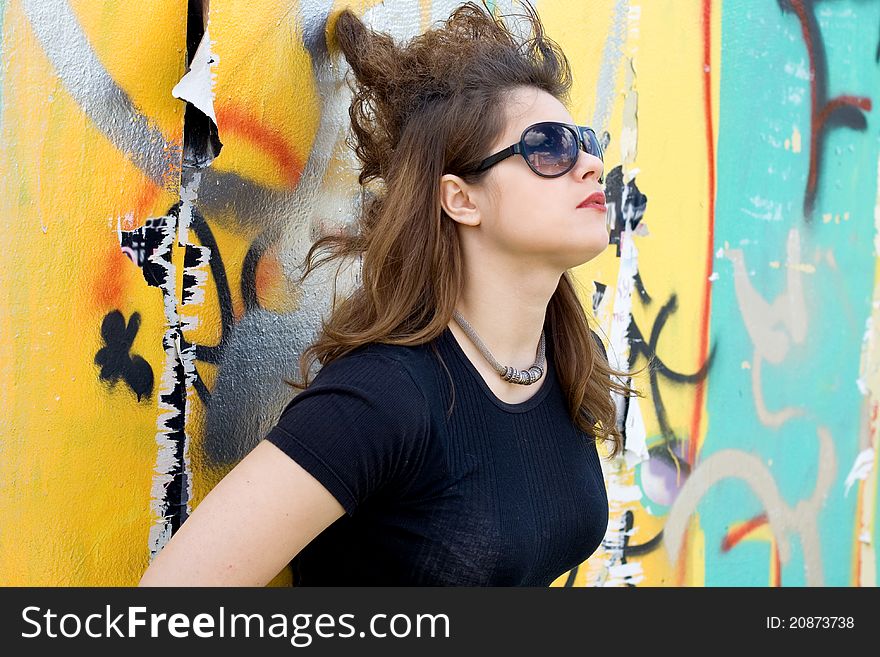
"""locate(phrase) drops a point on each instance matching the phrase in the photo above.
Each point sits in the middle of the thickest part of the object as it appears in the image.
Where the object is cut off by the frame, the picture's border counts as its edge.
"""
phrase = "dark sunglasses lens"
(594, 148)
(550, 149)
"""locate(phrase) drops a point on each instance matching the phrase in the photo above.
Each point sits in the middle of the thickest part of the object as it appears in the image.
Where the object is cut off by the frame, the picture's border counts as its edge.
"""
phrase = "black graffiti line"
(640, 288)
(213, 353)
(648, 349)
(644, 548)
(249, 274)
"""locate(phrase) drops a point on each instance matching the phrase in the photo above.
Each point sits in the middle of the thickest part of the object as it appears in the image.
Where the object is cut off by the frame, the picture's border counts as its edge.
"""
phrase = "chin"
(590, 252)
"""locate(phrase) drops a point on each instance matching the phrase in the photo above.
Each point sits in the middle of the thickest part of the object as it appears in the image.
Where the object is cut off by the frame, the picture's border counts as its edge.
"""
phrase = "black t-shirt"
(491, 494)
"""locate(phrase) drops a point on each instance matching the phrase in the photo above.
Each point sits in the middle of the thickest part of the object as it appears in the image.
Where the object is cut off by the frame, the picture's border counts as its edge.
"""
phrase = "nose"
(590, 165)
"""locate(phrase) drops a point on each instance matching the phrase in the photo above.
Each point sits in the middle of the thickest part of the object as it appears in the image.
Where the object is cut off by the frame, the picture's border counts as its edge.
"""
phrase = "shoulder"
(399, 361)
(387, 372)
(406, 361)
(360, 425)
(363, 386)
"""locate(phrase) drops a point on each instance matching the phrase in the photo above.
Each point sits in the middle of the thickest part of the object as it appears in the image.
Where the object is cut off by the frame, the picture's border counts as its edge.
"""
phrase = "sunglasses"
(550, 148)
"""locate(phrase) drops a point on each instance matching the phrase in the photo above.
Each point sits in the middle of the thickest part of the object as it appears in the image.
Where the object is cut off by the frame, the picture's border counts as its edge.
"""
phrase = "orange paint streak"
(733, 537)
(857, 552)
(268, 275)
(680, 567)
(860, 497)
(112, 279)
(145, 202)
(232, 120)
(777, 576)
(110, 283)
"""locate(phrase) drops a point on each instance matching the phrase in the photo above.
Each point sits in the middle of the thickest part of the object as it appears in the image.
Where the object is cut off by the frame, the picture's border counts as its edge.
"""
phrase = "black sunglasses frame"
(582, 134)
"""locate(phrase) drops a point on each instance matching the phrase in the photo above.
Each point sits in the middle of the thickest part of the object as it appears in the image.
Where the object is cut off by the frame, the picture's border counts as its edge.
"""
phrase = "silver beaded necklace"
(522, 377)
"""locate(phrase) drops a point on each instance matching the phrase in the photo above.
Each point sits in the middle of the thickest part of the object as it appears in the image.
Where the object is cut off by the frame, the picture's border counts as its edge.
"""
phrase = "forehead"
(527, 105)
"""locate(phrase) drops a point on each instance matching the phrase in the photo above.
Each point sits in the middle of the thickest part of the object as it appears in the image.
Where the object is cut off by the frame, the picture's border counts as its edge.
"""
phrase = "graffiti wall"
(164, 167)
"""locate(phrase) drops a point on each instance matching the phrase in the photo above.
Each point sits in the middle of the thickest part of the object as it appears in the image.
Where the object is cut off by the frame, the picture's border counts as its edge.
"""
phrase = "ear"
(458, 200)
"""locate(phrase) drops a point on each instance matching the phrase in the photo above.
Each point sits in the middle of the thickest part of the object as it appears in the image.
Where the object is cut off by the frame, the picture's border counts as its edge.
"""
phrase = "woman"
(449, 436)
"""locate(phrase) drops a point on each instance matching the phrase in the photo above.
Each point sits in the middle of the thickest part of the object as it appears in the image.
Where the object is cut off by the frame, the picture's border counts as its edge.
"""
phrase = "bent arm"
(248, 527)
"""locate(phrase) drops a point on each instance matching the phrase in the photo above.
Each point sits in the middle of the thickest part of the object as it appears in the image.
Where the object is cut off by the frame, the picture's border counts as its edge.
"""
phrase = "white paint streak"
(623, 493)
(634, 426)
(862, 467)
(175, 323)
(619, 353)
(619, 478)
(629, 572)
(799, 70)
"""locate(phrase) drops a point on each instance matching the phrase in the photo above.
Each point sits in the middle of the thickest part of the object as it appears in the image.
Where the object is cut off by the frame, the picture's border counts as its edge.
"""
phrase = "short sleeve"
(359, 427)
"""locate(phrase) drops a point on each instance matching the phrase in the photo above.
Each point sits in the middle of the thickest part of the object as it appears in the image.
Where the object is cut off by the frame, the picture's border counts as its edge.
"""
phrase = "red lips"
(594, 200)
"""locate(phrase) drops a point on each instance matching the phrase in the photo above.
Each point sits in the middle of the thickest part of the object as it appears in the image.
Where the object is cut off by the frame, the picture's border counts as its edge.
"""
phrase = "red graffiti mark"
(819, 115)
(231, 120)
(696, 414)
(731, 538)
(854, 101)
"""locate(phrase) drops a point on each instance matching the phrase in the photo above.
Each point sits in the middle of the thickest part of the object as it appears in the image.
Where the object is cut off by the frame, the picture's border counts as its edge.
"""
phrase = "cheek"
(546, 216)
(527, 209)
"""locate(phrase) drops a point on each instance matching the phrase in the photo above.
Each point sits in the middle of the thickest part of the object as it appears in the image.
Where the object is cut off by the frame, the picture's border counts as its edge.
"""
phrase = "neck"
(506, 309)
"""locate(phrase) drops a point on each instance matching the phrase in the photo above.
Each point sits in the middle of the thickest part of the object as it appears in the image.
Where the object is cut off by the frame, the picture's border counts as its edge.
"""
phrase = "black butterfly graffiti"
(114, 359)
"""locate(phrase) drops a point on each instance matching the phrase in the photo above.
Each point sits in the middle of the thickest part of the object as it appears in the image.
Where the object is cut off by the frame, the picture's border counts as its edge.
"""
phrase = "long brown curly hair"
(417, 112)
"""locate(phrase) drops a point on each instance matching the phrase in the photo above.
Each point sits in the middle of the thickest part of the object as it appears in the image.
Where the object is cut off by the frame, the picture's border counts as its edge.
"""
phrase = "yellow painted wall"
(92, 149)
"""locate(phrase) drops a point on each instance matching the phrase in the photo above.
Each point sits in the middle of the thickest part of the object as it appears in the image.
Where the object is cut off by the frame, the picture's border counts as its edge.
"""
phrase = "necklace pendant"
(522, 377)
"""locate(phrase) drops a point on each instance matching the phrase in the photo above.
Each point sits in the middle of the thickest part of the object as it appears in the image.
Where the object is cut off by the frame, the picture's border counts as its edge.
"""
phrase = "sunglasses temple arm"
(500, 155)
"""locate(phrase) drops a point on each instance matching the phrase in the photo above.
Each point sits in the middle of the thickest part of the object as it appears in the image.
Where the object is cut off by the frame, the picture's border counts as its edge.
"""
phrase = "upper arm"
(248, 527)
(362, 427)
